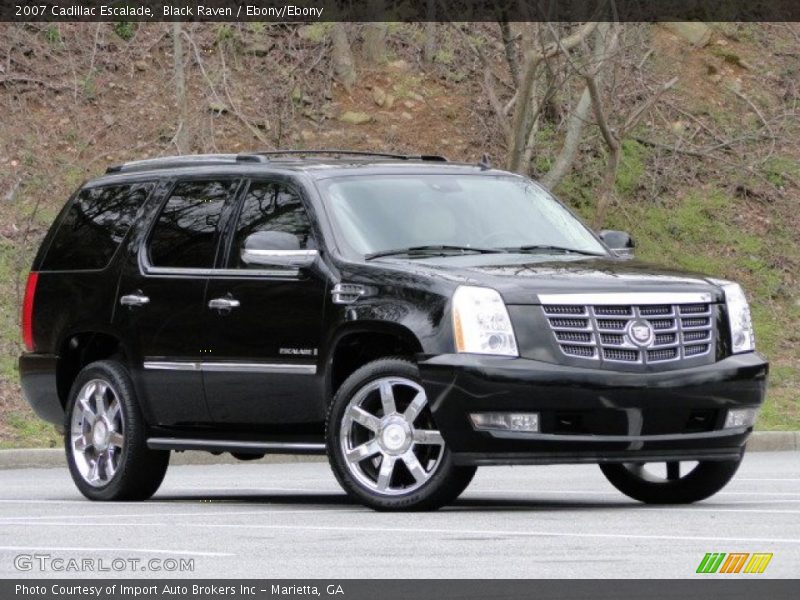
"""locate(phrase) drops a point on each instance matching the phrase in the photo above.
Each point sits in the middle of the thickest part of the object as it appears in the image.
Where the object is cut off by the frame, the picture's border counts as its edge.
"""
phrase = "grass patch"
(631, 168)
(26, 430)
(9, 319)
(780, 170)
(125, 30)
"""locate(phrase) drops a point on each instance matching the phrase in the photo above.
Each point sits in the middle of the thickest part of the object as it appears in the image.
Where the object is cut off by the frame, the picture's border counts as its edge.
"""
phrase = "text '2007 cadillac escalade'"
(409, 317)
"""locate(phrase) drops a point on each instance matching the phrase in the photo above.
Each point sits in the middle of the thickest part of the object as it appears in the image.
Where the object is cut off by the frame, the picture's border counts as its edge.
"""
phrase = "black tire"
(705, 480)
(139, 470)
(445, 480)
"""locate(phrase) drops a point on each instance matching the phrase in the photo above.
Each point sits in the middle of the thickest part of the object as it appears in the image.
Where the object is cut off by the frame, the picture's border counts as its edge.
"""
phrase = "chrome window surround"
(147, 268)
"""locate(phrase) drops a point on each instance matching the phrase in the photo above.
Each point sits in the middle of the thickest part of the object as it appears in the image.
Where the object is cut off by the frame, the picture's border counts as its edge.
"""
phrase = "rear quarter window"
(93, 227)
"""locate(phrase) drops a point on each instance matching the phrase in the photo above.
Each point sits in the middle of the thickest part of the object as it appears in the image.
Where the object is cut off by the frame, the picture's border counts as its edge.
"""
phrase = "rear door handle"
(135, 299)
(223, 303)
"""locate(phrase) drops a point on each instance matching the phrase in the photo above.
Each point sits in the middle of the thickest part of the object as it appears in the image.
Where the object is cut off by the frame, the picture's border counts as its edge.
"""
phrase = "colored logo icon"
(734, 562)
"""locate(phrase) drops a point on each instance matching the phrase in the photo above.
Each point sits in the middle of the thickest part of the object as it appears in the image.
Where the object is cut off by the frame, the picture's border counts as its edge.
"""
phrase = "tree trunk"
(342, 56)
(522, 114)
(429, 48)
(374, 48)
(510, 49)
(182, 137)
(566, 157)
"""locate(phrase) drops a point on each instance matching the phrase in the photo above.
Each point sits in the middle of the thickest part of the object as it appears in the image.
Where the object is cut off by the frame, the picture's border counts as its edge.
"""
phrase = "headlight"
(741, 324)
(480, 322)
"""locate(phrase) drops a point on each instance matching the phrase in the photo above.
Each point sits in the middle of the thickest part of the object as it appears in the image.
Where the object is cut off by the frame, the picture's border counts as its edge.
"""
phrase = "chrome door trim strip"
(628, 298)
(216, 367)
(163, 365)
(234, 445)
(230, 367)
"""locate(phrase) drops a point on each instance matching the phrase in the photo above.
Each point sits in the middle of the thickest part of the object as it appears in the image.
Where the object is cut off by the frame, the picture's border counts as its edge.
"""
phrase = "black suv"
(410, 317)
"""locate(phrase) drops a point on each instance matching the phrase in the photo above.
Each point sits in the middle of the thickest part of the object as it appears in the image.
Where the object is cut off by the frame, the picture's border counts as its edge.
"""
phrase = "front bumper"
(588, 415)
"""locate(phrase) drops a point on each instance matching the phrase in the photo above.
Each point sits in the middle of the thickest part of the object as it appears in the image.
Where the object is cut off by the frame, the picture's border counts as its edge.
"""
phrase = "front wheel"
(383, 444)
(671, 482)
(105, 437)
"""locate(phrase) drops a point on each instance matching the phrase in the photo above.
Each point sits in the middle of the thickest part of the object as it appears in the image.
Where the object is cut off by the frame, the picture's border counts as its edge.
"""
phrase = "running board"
(162, 443)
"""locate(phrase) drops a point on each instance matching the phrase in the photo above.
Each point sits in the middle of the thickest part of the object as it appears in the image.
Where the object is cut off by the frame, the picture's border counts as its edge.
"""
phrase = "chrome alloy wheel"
(97, 432)
(388, 438)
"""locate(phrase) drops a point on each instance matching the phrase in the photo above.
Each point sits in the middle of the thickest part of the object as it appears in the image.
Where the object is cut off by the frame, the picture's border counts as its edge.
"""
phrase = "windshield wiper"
(432, 250)
(547, 247)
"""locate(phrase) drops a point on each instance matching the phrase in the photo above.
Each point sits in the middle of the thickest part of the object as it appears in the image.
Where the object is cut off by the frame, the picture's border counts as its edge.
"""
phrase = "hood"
(521, 278)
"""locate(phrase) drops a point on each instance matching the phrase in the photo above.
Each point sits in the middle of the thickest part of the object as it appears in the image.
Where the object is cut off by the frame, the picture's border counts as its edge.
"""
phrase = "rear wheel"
(672, 482)
(383, 444)
(105, 437)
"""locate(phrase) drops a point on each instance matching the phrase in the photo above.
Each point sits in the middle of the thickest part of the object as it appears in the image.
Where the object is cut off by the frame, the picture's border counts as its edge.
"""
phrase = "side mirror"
(276, 249)
(619, 241)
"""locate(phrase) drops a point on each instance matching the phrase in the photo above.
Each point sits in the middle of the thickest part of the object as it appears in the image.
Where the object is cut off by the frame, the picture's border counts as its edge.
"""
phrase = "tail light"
(27, 311)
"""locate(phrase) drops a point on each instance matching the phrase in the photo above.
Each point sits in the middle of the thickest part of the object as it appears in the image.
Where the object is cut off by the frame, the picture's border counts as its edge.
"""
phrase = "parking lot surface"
(292, 521)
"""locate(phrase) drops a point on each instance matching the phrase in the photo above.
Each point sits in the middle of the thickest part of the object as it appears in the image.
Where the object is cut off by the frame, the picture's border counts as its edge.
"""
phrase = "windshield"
(384, 215)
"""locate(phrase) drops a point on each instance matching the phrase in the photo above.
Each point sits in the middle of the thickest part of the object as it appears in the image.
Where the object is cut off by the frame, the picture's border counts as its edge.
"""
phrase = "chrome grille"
(583, 351)
(611, 325)
(662, 354)
(604, 331)
(570, 323)
(582, 337)
(612, 311)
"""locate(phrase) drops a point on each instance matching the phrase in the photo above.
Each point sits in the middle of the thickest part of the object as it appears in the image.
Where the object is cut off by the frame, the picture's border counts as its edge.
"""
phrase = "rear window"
(94, 226)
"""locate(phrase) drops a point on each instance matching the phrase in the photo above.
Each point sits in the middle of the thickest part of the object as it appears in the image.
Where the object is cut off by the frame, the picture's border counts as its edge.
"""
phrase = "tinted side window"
(271, 207)
(185, 235)
(94, 226)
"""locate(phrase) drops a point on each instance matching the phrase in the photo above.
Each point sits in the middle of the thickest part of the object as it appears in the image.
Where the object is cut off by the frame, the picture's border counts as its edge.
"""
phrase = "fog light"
(506, 421)
(741, 417)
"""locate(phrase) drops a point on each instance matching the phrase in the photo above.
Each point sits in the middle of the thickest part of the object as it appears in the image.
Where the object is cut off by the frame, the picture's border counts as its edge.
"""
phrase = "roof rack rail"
(334, 152)
(187, 160)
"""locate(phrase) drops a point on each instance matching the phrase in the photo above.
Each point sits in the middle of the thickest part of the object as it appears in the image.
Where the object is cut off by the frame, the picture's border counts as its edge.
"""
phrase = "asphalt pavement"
(292, 521)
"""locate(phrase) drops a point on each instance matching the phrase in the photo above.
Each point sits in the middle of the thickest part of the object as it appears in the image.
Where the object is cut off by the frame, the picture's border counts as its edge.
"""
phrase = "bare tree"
(613, 136)
(579, 114)
(527, 106)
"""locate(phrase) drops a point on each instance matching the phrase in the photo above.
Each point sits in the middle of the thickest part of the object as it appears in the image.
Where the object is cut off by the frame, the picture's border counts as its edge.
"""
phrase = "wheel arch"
(80, 348)
(360, 343)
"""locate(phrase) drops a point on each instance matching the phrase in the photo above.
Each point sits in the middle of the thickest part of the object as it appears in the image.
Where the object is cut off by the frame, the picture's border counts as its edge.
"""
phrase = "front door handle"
(223, 303)
(135, 299)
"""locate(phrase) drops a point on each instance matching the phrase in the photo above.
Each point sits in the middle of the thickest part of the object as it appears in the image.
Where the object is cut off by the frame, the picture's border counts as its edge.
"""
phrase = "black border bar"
(706, 587)
(281, 11)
